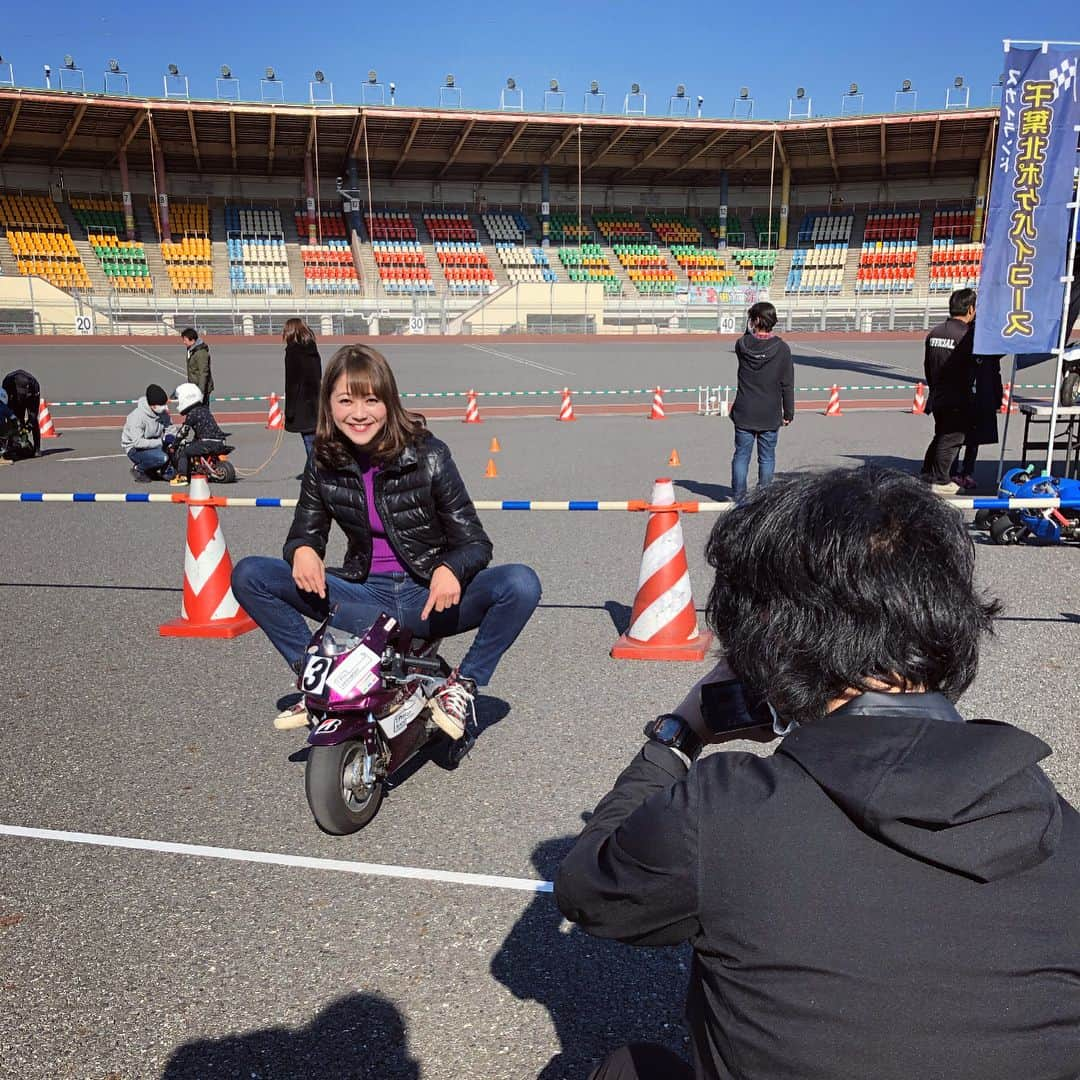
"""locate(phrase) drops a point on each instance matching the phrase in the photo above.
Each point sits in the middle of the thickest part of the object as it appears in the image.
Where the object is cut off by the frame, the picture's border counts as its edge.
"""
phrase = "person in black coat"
(24, 400)
(416, 548)
(303, 374)
(765, 399)
(894, 892)
(984, 421)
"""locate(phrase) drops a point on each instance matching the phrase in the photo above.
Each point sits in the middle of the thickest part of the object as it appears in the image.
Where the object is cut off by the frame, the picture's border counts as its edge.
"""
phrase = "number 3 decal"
(318, 667)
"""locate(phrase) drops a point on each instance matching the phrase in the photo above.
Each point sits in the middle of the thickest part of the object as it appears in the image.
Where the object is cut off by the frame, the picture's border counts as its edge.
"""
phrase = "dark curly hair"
(842, 579)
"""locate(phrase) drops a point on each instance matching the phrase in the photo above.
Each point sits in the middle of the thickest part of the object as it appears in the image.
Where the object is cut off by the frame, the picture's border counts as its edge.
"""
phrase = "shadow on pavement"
(859, 367)
(359, 1037)
(600, 994)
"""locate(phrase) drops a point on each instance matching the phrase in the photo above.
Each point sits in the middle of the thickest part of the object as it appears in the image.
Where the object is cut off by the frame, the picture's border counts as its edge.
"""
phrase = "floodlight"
(393, 89)
(69, 62)
(511, 84)
(853, 89)
(744, 92)
(114, 67)
(700, 101)
(680, 90)
(174, 70)
(958, 82)
(800, 92)
(226, 71)
(320, 77)
(554, 84)
(635, 89)
(905, 87)
(372, 76)
(450, 81)
(1001, 80)
(271, 75)
(594, 87)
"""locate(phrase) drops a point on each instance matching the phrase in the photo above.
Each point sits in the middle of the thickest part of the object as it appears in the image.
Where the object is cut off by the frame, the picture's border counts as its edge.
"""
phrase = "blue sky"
(710, 48)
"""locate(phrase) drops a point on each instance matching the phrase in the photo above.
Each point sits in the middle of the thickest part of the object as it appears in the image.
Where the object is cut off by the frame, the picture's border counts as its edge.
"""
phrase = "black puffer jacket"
(428, 515)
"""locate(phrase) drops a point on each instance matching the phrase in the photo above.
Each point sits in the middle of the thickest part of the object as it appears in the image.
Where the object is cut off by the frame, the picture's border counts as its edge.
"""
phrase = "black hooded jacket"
(766, 393)
(893, 893)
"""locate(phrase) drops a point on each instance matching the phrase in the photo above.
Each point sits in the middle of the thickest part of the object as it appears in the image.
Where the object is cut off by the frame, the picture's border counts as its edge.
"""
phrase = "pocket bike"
(206, 457)
(1051, 525)
(367, 694)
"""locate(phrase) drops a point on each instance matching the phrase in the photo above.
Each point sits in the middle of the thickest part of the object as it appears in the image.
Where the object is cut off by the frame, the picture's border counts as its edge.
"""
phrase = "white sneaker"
(452, 704)
(945, 489)
(295, 716)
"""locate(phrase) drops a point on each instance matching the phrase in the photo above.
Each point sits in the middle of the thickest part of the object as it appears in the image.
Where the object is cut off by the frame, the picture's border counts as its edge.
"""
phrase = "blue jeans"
(149, 460)
(498, 601)
(740, 463)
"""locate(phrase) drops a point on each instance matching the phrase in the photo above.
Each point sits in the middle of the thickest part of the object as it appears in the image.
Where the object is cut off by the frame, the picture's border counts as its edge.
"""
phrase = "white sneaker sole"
(447, 723)
(288, 721)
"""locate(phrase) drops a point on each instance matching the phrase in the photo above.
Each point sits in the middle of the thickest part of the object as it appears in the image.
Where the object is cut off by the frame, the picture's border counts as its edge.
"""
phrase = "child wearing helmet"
(199, 429)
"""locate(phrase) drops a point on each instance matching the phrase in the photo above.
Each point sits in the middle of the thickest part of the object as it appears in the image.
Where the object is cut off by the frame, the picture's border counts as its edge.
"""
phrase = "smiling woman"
(416, 549)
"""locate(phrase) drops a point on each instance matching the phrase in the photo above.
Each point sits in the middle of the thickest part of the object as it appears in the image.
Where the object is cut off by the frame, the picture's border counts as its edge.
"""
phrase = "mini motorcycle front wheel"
(339, 800)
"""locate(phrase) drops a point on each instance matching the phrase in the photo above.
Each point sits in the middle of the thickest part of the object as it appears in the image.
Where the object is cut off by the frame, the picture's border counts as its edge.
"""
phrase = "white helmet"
(187, 394)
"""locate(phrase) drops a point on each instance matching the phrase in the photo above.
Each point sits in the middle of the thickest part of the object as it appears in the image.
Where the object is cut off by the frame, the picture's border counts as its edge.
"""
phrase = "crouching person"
(894, 891)
(144, 435)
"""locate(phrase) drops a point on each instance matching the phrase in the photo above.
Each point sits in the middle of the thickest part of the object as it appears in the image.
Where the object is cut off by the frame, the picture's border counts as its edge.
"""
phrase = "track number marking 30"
(314, 677)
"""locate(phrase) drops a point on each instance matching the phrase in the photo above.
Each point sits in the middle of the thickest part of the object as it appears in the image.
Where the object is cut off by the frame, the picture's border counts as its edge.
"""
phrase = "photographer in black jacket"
(893, 892)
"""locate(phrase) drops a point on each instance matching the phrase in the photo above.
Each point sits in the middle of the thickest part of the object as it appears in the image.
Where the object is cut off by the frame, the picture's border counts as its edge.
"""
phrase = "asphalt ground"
(119, 963)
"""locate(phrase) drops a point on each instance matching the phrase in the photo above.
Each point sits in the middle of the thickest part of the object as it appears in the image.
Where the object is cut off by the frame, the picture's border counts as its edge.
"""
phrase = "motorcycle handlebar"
(417, 663)
(398, 666)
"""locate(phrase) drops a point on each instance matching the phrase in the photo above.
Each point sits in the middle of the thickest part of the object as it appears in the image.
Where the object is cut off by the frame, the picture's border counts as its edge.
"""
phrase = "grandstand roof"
(57, 128)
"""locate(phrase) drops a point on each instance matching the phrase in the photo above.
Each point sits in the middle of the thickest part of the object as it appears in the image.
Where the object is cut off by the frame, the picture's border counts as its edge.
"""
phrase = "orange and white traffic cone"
(209, 610)
(566, 410)
(275, 421)
(45, 422)
(663, 625)
(657, 405)
(833, 407)
(918, 402)
(472, 410)
(1006, 398)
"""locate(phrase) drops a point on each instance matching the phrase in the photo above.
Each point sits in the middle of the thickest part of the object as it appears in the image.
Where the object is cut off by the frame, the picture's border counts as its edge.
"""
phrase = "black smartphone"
(725, 708)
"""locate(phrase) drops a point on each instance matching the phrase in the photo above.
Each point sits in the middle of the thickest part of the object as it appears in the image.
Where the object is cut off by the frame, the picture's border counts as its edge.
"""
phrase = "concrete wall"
(56, 310)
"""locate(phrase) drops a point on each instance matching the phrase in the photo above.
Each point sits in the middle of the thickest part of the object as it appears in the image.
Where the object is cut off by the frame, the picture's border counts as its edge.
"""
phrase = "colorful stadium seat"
(502, 226)
(818, 269)
(588, 263)
(620, 228)
(389, 225)
(524, 263)
(955, 225)
(402, 268)
(445, 227)
(646, 268)
(255, 244)
(40, 242)
(464, 264)
(954, 266)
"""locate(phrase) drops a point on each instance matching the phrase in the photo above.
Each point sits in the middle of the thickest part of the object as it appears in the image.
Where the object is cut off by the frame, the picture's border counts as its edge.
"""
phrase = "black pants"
(950, 433)
(26, 411)
(643, 1061)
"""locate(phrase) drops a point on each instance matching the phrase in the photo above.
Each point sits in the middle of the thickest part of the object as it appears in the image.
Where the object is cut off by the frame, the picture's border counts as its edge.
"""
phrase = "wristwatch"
(672, 731)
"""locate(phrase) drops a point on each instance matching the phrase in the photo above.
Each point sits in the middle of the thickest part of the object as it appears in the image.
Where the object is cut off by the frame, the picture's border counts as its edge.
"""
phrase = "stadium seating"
(735, 234)
(955, 225)
(330, 224)
(189, 263)
(566, 228)
(124, 262)
(99, 215)
(524, 263)
(703, 266)
(954, 266)
(757, 264)
(185, 219)
(449, 227)
(389, 225)
(513, 227)
(819, 268)
(620, 228)
(40, 242)
(891, 226)
(646, 268)
(674, 229)
(887, 266)
(403, 270)
(329, 268)
(766, 231)
(256, 248)
(465, 266)
(588, 263)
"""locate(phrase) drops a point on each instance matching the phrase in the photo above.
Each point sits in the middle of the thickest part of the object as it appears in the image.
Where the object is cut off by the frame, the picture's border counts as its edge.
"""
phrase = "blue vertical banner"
(1021, 294)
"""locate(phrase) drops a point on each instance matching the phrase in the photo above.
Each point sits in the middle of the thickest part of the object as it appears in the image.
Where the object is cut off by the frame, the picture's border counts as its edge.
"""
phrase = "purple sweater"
(383, 559)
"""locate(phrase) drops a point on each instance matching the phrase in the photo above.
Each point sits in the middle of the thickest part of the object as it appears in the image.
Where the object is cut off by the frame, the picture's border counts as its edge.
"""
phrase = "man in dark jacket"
(893, 892)
(198, 363)
(765, 399)
(24, 400)
(949, 367)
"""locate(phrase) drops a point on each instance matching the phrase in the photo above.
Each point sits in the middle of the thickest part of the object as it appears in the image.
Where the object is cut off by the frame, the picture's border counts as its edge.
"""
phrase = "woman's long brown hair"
(366, 372)
(297, 332)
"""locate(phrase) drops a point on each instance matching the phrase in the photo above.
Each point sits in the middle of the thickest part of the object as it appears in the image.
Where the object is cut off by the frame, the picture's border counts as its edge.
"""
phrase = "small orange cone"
(663, 625)
(566, 410)
(674, 461)
(472, 410)
(494, 448)
(918, 403)
(275, 421)
(833, 407)
(45, 422)
(491, 473)
(209, 609)
(657, 405)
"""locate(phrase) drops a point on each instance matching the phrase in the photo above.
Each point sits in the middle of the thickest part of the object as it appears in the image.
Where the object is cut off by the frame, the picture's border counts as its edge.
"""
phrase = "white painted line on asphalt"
(519, 360)
(144, 355)
(95, 457)
(343, 866)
